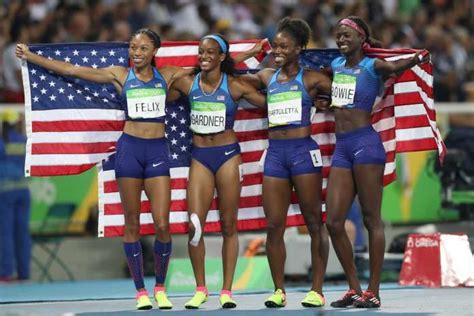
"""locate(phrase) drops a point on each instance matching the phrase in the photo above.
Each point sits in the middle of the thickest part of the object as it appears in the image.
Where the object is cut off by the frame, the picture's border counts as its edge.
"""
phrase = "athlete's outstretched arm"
(100, 75)
(386, 68)
(260, 79)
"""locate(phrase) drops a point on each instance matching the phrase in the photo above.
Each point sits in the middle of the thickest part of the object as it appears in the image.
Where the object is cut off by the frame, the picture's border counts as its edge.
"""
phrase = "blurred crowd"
(444, 27)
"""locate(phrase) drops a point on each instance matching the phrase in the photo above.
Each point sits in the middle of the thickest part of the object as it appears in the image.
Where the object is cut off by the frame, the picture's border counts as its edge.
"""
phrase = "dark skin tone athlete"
(277, 191)
(157, 189)
(202, 181)
(364, 179)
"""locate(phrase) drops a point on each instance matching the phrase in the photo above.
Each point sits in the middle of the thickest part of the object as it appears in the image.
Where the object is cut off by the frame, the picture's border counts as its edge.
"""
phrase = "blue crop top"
(214, 112)
(144, 101)
(289, 104)
(355, 88)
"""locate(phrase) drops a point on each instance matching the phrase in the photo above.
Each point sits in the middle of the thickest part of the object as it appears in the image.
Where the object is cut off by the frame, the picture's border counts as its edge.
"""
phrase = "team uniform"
(145, 158)
(289, 106)
(212, 113)
(356, 88)
(144, 102)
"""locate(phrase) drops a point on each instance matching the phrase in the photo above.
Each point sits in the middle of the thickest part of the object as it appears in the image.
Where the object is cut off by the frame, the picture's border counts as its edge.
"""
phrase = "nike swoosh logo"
(157, 164)
(165, 254)
(271, 90)
(358, 152)
(297, 162)
(134, 85)
(227, 153)
(197, 97)
(136, 254)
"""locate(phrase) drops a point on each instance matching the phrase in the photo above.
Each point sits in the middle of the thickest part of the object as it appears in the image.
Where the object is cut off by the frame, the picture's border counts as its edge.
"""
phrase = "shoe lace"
(349, 294)
(368, 295)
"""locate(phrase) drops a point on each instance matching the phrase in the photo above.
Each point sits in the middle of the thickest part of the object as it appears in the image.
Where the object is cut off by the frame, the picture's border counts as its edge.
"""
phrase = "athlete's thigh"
(228, 184)
(340, 192)
(200, 192)
(276, 196)
(369, 182)
(158, 191)
(130, 190)
(308, 189)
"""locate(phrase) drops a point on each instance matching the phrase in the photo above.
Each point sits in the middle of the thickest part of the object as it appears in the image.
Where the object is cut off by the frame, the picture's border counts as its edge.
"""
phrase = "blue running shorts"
(291, 157)
(142, 158)
(357, 147)
(214, 157)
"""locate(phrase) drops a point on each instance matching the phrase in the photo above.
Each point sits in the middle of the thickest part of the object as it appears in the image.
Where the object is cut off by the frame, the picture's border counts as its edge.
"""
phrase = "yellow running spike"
(198, 298)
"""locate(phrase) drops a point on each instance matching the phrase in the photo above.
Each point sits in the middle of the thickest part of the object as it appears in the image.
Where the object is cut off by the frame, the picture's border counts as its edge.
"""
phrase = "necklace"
(213, 91)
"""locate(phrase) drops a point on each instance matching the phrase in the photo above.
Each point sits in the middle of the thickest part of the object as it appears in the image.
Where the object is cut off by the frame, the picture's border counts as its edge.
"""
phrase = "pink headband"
(352, 24)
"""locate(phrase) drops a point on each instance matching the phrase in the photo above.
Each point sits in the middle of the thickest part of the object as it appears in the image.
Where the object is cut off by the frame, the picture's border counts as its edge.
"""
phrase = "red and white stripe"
(184, 54)
(405, 116)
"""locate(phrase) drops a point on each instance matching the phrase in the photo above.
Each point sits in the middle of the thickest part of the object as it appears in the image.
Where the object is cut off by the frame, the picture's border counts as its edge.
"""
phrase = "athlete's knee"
(275, 227)
(132, 223)
(195, 230)
(313, 222)
(372, 222)
(335, 225)
(314, 228)
(132, 230)
(229, 228)
(162, 228)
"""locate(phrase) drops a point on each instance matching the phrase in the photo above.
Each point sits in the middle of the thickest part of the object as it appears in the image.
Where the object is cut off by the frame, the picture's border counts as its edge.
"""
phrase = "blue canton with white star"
(178, 132)
(51, 91)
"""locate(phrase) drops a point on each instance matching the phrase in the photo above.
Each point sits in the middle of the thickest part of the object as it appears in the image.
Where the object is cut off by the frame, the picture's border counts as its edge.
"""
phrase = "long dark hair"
(228, 64)
(298, 29)
(361, 23)
(154, 38)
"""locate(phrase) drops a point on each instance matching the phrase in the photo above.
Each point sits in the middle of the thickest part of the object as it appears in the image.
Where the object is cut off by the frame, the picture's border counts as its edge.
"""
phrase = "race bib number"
(207, 117)
(343, 90)
(316, 157)
(146, 103)
(284, 108)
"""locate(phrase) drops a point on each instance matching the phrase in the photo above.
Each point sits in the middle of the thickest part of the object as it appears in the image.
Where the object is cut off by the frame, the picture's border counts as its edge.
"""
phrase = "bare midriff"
(146, 130)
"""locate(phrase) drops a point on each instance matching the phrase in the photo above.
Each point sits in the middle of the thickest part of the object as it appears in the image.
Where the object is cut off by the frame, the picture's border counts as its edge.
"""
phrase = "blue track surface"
(116, 297)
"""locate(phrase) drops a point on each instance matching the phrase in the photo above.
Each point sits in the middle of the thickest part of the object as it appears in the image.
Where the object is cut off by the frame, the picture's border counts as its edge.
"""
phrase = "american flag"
(404, 116)
(71, 124)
